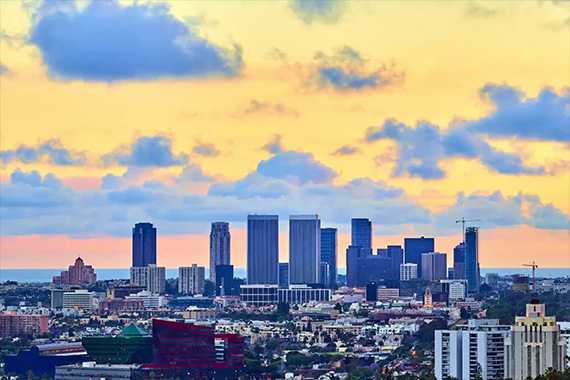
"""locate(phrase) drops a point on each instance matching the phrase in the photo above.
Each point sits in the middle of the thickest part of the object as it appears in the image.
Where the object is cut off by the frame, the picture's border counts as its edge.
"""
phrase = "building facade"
(361, 233)
(415, 247)
(224, 280)
(191, 280)
(283, 275)
(77, 274)
(472, 258)
(329, 254)
(79, 299)
(259, 295)
(408, 271)
(144, 245)
(220, 240)
(151, 276)
(434, 266)
(299, 294)
(12, 324)
(304, 249)
(459, 261)
(262, 249)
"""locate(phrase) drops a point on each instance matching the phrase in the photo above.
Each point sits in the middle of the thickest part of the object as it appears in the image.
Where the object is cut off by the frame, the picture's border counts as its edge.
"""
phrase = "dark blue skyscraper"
(472, 258)
(304, 249)
(396, 256)
(224, 280)
(414, 247)
(263, 249)
(283, 275)
(459, 261)
(361, 232)
(144, 245)
(329, 249)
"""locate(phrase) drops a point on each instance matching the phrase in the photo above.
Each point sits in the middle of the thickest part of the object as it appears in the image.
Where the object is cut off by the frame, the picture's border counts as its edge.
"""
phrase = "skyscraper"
(262, 249)
(459, 261)
(224, 280)
(191, 280)
(361, 233)
(144, 245)
(472, 258)
(396, 255)
(414, 247)
(329, 253)
(304, 249)
(434, 266)
(283, 275)
(219, 247)
(151, 276)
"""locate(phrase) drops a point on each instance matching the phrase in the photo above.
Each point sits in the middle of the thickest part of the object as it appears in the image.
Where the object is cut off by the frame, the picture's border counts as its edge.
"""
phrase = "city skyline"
(455, 113)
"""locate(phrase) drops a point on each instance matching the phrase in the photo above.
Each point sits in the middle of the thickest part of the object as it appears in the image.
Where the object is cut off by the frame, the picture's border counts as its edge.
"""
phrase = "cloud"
(50, 151)
(106, 41)
(296, 166)
(310, 11)
(346, 70)
(267, 108)
(206, 149)
(3, 69)
(192, 173)
(146, 151)
(346, 150)
(478, 11)
(274, 146)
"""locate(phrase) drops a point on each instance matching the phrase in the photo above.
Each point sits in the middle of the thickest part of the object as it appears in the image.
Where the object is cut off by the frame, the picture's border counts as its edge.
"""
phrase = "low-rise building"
(12, 324)
(79, 299)
(92, 370)
(259, 295)
(299, 294)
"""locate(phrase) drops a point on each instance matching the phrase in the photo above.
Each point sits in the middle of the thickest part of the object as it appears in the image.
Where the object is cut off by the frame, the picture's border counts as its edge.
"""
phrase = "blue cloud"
(192, 173)
(346, 150)
(147, 151)
(50, 151)
(106, 41)
(276, 109)
(206, 149)
(30, 189)
(310, 11)
(132, 195)
(274, 146)
(296, 166)
(3, 69)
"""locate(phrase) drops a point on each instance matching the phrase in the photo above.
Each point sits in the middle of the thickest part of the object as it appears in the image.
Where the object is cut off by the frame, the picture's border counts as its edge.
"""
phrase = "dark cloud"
(346, 150)
(275, 145)
(479, 11)
(50, 151)
(107, 41)
(206, 149)
(268, 108)
(309, 11)
(146, 151)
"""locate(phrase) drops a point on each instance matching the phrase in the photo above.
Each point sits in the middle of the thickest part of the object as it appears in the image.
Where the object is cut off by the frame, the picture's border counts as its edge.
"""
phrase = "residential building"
(534, 345)
(151, 276)
(191, 280)
(408, 271)
(79, 299)
(361, 233)
(299, 294)
(415, 247)
(259, 295)
(77, 274)
(283, 275)
(459, 261)
(329, 254)
(219, 247)
(565, 333)
(262, 249)
(304, 249)
(144, 245)
(477, 347)
(13, 324)
(224, 280)
(472, 258)
(434, 266)
(456, 289)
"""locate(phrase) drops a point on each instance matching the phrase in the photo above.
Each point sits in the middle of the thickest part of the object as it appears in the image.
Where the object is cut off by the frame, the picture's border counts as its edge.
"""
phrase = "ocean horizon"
(45, 275)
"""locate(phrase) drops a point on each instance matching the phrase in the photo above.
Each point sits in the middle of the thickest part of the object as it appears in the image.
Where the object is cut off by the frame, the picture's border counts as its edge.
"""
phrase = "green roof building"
(131, 346)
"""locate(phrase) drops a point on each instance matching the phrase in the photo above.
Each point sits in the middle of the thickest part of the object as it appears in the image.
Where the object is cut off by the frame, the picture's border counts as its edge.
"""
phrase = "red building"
(14, 324)
(78, 274)
(118, 304)
(229, 356)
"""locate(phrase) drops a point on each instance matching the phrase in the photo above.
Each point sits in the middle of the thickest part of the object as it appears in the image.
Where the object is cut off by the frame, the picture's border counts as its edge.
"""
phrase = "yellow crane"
(533, 266)
(462, 221)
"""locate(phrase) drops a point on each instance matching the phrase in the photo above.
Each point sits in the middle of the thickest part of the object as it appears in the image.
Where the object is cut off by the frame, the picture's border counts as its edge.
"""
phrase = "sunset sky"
(181, 113)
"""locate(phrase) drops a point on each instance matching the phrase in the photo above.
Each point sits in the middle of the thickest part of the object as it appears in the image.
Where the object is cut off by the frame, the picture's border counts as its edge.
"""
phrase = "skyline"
(363, 119)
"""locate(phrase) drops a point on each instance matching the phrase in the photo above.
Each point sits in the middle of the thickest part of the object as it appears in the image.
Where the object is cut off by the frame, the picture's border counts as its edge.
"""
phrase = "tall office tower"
(414, 247)
(219, 247)
(191, 280)
(262, 249)
(283, 275)
(151, 276)
(304, 249)
(144, 245)
(361, 231)
(324, 273)
(477, 345)
(434, 266)
(459, 261)
(395, 254)
(534, 345)
(408, 271)
(329, 254)
(472, 259)
(224, 280)
(353, 254)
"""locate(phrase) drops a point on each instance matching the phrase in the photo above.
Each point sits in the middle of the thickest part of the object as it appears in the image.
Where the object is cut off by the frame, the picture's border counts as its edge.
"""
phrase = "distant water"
(45, 275)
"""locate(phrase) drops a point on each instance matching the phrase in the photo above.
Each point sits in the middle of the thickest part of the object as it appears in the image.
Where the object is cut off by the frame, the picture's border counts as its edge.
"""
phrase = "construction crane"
(533, 266)
(462, 221)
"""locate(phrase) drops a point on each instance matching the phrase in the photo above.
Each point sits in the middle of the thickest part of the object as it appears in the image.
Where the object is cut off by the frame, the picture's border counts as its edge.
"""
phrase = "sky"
(413, 114)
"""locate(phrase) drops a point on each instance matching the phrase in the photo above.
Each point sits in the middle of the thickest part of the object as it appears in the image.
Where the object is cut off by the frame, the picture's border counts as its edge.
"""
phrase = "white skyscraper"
(191, 279)
(535, 344)
(153, 277)
(477, 346)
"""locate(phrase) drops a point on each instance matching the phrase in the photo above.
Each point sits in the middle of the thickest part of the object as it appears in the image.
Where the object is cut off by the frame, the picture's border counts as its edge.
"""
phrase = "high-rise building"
(77, 274)
(395, 255)
(353, 254)
(408, 271)
(361, 232)
(373, 268)
(414, 247)
(144, 245)
(329, 253)
(283, 275)
(224, 280)
(304, 249)
(324, 274)
(191, 280)
(459, 261)
(151, 276)
(472, 258)
(478, 346)
(219, 247)
(262, 249)
(534, 345)
(455, 289)
(434, 266)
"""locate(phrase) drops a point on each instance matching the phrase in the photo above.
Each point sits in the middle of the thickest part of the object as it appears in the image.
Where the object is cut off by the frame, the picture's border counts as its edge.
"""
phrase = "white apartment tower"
(408, 271)
(191, 280)
(477, 346)
(151, 276)
(534, 345)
